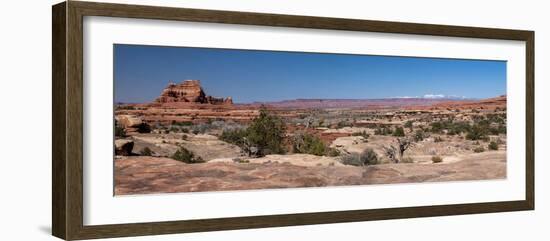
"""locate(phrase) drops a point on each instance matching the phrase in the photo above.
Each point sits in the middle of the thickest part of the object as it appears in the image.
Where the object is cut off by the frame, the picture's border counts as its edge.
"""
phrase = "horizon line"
(344, 99)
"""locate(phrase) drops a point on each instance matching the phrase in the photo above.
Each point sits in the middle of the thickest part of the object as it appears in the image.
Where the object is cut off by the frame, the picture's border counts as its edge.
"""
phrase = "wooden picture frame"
(67, 124)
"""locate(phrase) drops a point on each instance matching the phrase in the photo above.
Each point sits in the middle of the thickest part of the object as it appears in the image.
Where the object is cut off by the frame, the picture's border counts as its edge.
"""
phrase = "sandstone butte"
(189, 91)
(187, 101)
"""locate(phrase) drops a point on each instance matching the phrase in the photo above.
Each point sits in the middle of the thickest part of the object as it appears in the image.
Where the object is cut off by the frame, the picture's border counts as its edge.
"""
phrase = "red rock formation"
(491, 104)
(189, 91)
(488, 104)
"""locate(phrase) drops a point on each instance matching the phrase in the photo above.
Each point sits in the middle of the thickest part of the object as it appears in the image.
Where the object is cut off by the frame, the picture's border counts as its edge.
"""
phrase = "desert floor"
(144, 174)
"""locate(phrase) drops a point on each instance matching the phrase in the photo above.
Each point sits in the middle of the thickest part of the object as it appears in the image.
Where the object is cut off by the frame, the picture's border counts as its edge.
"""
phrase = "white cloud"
(431, 96)
(434, 96)
(405, 97)
(441, 96)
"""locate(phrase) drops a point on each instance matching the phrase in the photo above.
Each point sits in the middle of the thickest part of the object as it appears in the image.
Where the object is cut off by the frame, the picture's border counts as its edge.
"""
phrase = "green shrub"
(479, 149)
(500, 129)
(343, 124)
(367, 157)
(383, 131)
(265, 135)
(120, 132)
(493, 146)
(409, 124)
(399, 132)
(477, 132)
(146, 151)
(437, 159)
(457, 128)
(309, 144)
(234, 136)
(451, 128)
(267, 132)
(333, 152)
(436, 127)
(496, 118)
(419, 135)
(186, 156)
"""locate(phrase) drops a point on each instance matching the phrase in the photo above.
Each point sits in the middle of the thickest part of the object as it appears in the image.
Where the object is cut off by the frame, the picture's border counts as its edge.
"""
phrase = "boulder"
(128, 121)
(132, 124)
(123, 147)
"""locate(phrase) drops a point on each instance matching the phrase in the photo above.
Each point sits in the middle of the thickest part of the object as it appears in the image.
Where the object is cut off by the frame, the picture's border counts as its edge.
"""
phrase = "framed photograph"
(171, 120)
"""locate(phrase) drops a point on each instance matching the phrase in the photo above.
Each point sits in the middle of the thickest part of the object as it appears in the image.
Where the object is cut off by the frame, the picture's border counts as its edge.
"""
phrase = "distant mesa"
(489, 104)
(189, 91)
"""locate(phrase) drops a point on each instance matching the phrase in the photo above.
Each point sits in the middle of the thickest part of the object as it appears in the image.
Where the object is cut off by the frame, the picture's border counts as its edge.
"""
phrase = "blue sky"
(141, 72)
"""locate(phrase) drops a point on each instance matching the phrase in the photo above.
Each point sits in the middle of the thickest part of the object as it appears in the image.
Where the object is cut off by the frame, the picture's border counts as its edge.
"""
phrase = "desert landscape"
(188, 141)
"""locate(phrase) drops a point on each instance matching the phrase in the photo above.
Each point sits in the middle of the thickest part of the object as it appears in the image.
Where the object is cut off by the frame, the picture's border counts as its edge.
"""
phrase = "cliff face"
(189, 91)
